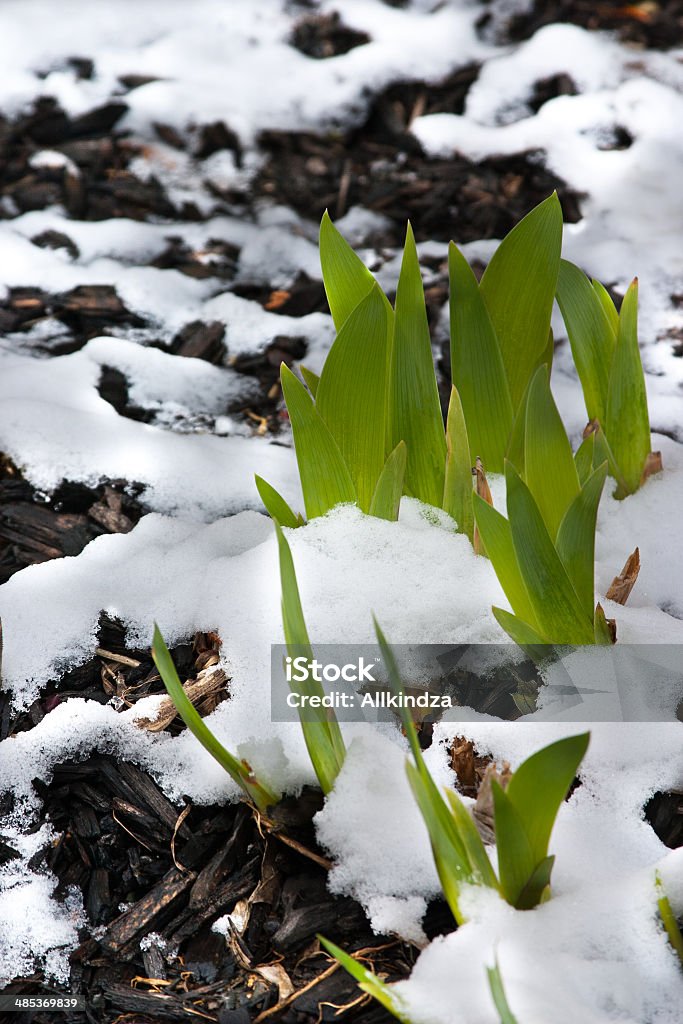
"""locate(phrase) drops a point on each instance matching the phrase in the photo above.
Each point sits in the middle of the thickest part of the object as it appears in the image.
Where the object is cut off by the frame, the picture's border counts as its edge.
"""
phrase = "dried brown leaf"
(653, 464)
(484, 491)
(483, 808)
(622, 585)
(463, 764)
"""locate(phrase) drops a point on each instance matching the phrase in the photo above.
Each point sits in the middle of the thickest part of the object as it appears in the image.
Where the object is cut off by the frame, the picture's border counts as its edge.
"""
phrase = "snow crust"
(205, 558)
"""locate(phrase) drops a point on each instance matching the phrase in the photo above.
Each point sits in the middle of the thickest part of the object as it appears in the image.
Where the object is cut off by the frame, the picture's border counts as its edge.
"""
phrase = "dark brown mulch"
(155, 880)
(85, 312)
(97, 183)
(34, 528)
(665, 813)
(382, 167)
(325, 35)
(644, 24)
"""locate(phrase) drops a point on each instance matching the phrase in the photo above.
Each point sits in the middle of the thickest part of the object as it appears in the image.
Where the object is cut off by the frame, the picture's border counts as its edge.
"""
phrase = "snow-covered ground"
(205, 558)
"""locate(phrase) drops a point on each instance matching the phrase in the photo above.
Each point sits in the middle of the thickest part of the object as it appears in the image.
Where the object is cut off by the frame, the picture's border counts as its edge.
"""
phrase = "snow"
(206, 558)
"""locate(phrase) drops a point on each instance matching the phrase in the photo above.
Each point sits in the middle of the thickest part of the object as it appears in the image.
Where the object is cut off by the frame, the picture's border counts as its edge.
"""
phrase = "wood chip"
(142, 914)
(207, 685)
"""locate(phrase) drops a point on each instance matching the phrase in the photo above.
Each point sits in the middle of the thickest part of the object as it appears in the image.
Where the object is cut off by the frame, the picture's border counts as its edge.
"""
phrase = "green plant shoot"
(606, 353)
(322, 734)
(524, 815)
(500, 328)
(499, 996)
(260, 794)
(368, 981)
(544, 553)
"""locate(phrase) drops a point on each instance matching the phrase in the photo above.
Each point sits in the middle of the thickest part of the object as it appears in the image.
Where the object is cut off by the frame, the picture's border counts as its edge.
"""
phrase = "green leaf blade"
(325, 478)
(368, 981)
(627, 423)
(311, 379)
(238, 770)
(458, 484)
(516, 862)
(497, 537)
(498, 995)
(322, 735)
(518, 288)
(539, 786)
(414, 406)
(386, 500)
(576, 538)
(477, 366)
(557, 608)
(524, 635)
(351, 396)
(549, 468)
(346, 279)
(276, 506)
(591, 335)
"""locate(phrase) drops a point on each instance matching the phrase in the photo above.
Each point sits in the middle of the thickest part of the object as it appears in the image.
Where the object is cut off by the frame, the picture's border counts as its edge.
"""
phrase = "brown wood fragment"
(622, 585)
(107, 512)
(202, 690)
(94, 300)
(142, 914)
(276, 299)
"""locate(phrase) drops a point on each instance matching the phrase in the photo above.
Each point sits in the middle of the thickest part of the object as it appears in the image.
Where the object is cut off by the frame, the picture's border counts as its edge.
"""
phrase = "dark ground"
(149, 870)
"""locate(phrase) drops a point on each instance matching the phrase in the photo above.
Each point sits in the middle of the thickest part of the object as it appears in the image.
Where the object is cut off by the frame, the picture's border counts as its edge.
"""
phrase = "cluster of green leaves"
(257, 791)
(524, 815)
(370, 428)
(543, 553)
(607, 357)
(524, 812)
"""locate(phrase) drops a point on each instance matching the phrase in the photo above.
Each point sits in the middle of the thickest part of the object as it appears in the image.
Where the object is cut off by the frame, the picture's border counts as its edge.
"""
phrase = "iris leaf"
(276, 506)
(325, 479)
(322, 734)
(238, 770)
(351, 396)
(477, 366)
(414, 406)
(627, 424)
(518, 288)
(549, 469)
(458, 488)
(387, 497)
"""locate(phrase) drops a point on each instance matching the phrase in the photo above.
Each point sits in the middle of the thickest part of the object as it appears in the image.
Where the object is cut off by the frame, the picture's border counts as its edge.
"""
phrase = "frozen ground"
(206, 559)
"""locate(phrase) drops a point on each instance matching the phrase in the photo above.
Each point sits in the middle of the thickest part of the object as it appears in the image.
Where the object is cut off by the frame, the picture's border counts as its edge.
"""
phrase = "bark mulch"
(643, 24)
(155, 878)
